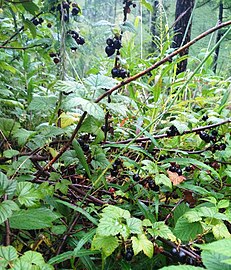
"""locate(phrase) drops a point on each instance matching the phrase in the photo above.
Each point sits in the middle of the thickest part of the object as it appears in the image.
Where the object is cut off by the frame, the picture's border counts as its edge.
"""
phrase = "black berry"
(188, 168)
(117, 44)
(222, 146)
(205, 117)
(109, 42)
(172, 169)
(109, 50)
(214, 132)
(129, 254)
(179, 171)
(115, 72)
(56, 60)
(75, 11)
(86, 147)
(122, 73)
(136, 177)
(204, 136)
(114, 172)
(80, 41)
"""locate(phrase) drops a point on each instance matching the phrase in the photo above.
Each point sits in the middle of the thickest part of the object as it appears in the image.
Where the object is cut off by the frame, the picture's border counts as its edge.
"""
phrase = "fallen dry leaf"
(175, 178)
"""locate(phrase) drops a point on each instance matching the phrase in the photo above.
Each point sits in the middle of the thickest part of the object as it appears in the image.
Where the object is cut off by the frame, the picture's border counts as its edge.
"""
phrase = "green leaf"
(43, 104)
(181, 267)
(107, 244)
(162, 230)
(27, 194)
(115, 212)
(30, 7)
(128, 26)
(80, 155)
(220, 231)
(163, 179)
(8, 126)
(6, 210)
(111, 226)
(141, 243)
(100, 82)
(33, 257)
(213, 260)
(8, 253)
(21, 265)
(68, 87)
(32, 219)
(135, 225)
(146, 212)
(7, 186)
(223, 204)
(10, 153)
(28, 24)
(147, 4)
(187, 231)
(86, 238)
(80, 210)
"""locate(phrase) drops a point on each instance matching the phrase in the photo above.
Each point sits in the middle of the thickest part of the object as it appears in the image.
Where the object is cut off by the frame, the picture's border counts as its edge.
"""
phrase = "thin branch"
(145, 139)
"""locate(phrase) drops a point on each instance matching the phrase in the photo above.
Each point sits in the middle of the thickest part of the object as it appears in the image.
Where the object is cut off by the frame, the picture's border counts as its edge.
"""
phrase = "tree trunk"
(153, 25)
(182, 29)
(219, 35)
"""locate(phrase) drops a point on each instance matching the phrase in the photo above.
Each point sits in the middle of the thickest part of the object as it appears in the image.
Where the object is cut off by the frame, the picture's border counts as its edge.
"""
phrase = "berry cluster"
(85, 146)
(175, 168)
(129, 254)
(112, 45)
(37, 21)
(64, 10)
(128, 3)
(119, 73)
(180, 256)
(55, 57)
(79, 40)
(172, 131)
(115, 167)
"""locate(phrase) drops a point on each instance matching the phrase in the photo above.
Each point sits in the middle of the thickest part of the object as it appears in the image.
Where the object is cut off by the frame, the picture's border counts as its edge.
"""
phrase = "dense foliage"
(109, 159)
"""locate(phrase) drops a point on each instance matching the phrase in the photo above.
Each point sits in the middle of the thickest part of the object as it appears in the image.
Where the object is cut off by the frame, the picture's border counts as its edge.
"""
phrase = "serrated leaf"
(67, 119)
(6, 210)
(100, 82)
(181, 267)
(68, 87)
(214, 261)
(192, 216)
(141, 243)
(163, 179)
(43, 104)
(32, 219)
(162, 230)
(135, 225)
(220, 231)
(110, 226)
(7, 186)
(27, 194)
(115, 212)
(187, 231)
(107, 244)
(10, 153)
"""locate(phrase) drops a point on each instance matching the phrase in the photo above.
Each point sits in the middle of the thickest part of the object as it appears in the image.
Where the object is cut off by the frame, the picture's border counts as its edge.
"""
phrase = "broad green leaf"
(187, 231)
(107, 244)
(220, 231)
(192, 216)
(100, 82)
(67, 119)
(8, 126)
(10, 153)
(223, 204)
(30, 7)
(163, 179)
(8, 253)
(80, 155)
(6, 210)
(21, 265)
(128, 26)
(111, 226)
(68, 87)
(141, 243)
(32, 219)
(43, 103)
(162, 230)
(33, 257)
(27, 194)
(135, 225)
(181, 267)
(115, 212)
(213, 260)
(221, 246)
(7, 186)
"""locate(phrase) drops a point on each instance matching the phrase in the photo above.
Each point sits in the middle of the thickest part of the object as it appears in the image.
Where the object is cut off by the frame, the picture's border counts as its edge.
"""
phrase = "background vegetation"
(108, 158)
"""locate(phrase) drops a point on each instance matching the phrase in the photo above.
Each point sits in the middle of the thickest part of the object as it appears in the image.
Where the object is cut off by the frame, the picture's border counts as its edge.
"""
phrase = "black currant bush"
(117, 165)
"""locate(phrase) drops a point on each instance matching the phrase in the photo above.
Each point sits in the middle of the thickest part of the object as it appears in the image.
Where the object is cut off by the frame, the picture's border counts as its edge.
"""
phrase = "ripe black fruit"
(136, 177)
(122, 73)
(114, 166)
(115, 72)
(86, 147)
(56, 60)
(114, 172)
(205, 117)
(172, 131)
(129, 254)
(179, 171)
(75, 11)
(35, 22)
(204, 136)
(222, 146)
(117, 44)
(80, 41)
(172, 169)
(109, 50)
(49, 25)
(51, 54)
(80, 141)
(109, 42)
(188, 168)
(118, 162)
(214, 132)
